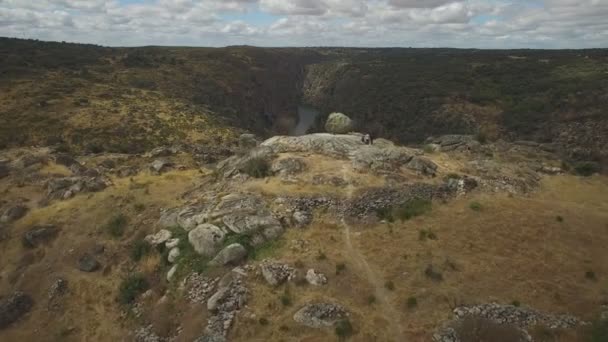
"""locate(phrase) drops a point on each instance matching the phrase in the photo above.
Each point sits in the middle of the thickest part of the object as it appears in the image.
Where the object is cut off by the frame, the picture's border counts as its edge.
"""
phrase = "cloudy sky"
(373, 23)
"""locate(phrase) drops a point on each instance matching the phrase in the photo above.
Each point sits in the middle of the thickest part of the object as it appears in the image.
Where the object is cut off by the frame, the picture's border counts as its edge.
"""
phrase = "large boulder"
(230, 255)
(341, 145)
(206, 239)
(13, 213)
(320, 315)
(38, 235)
(14, 307)
(338, 123)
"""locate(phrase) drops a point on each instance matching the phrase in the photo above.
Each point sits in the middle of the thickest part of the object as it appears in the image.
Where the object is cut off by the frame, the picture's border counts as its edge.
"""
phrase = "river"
(306, 119)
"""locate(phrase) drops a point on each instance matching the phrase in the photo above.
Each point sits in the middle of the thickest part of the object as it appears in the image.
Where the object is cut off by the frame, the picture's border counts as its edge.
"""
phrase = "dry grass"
(499, 254)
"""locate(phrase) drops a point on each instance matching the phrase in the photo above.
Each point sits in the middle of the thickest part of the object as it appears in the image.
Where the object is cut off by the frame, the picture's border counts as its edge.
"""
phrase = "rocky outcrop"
(13, 307)
(381, 158)
(320, 315)
(206, 239)
(338, 123)
(371, 200)
(520, 318)
(454, 142)
(322, 143)
(232, 166)
(422, 165)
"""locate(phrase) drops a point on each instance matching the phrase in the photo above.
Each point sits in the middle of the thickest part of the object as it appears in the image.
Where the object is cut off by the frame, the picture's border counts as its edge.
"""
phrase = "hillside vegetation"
(131, 99)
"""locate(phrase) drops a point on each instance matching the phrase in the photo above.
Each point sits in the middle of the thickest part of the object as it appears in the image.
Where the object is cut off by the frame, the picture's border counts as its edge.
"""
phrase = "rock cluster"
(199, 288)
(276, 273)
(457, 142)
(374, 199)
(229, 298)
(66, 187)
(315, 278)
(319, 315)
(519, 317)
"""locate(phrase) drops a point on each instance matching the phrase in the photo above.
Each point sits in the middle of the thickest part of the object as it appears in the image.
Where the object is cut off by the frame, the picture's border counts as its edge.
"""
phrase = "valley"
(214, 194)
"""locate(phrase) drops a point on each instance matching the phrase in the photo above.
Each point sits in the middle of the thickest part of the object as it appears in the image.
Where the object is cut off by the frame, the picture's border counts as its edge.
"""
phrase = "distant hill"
(132, 99)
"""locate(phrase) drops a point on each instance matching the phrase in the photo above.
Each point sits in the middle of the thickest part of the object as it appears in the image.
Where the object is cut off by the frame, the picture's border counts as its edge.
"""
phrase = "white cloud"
(458, 23)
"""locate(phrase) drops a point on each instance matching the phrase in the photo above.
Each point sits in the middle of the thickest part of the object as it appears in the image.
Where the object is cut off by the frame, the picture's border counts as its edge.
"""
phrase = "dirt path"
(384, 298)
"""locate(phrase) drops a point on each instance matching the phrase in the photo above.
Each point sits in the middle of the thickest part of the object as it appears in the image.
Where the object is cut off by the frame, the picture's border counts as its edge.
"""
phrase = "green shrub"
(433, 274)
(586, 169)
(343, 329)
(321, 256)
(475, 206)
(139, 250)
(389, 285)
(257, 167)
(515, 303)
(371, 299)
(426, 234)
(286, 299)
(116, 226)
(139, 207)
(590, 275)
(340, 267)
(263, 321)
(131, 287)
(412, 302)
(599, 331)
(413, 208)
(559, 218)
(385, 214)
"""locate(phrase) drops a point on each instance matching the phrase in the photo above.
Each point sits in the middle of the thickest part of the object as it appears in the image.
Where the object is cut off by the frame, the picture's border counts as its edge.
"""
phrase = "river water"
(306, 119)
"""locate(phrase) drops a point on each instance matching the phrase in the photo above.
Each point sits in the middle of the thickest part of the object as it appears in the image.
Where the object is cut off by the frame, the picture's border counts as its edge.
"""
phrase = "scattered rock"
(159, 237)
(172, 243)
(276, 273)
(320, 315)
(13, 307)
(87, 263)
(56, 291)
(39, 235)
(171, 272)
(160, 165)
(66, 187)
(302, 218)
(162, 151)
(338, 123)
(288, 166)
(206, 239)
(174, 254)
(315, 278)
(231, 296)
(230, 255)
(199, 287)
(14, 213)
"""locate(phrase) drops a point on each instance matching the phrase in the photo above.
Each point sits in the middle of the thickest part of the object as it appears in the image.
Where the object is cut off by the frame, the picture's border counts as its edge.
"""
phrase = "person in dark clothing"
(367, 139)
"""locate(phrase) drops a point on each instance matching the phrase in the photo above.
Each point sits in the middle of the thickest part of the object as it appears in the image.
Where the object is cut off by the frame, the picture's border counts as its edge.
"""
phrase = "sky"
(368, 23)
